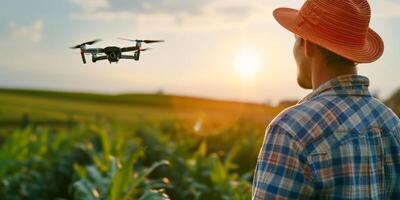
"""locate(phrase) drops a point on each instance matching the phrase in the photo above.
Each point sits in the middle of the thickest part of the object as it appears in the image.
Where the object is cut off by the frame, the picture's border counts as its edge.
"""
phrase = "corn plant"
(30, 159)
(111, 176)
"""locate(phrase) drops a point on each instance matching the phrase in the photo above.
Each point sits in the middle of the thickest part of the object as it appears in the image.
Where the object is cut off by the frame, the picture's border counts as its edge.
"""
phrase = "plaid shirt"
(338, 142)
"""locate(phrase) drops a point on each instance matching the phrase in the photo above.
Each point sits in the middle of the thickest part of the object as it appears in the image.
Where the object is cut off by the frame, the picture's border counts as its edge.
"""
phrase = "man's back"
(337, 143)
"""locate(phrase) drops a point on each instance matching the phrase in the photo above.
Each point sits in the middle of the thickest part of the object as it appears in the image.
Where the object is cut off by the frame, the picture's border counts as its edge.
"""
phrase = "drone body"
(113, 53)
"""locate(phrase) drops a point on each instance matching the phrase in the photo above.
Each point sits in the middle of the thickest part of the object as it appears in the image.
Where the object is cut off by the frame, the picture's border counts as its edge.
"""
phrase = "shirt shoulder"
(298, 118)
(327, 114)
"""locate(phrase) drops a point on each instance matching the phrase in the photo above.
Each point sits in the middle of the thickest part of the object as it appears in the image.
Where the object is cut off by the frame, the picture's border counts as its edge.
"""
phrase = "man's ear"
(309, 48)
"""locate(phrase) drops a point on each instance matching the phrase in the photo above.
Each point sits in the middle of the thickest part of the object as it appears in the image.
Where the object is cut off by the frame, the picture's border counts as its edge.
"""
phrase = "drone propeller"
(86, 43)
(150, 41)
(144, 41)
(144, 49)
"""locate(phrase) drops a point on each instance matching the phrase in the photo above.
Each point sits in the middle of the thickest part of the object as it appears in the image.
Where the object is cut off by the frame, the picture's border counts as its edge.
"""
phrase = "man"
(338, 142)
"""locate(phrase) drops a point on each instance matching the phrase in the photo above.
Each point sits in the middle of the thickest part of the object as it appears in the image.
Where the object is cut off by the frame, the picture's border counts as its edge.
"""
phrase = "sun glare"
(246, 63)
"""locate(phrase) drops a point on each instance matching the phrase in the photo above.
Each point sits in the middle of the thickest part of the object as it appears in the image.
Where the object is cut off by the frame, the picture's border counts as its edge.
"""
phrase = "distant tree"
(160, 91)
(267, 102)
(287, 103)
(24, 120)
(70, 121)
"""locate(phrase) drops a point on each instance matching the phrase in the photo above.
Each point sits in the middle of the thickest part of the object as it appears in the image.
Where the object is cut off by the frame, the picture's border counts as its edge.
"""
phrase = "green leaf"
(121, 186)
(154, 195)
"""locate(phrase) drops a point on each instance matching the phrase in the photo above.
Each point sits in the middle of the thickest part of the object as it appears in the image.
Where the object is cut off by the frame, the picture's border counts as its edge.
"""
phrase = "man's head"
(343, 28)
(309, 55)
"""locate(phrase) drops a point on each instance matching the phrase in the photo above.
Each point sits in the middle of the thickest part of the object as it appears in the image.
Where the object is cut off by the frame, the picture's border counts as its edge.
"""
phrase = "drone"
(113, 53)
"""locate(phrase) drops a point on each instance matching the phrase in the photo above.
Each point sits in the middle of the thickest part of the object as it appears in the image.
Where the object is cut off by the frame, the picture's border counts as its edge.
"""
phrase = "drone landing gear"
(83, 57)
(136, 55)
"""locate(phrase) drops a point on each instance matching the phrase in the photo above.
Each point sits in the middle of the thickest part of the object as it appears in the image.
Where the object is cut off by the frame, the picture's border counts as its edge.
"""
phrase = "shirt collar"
(350, 85)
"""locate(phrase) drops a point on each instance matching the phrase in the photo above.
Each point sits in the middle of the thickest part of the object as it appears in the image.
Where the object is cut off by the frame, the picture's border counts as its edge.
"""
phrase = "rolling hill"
(54, 107)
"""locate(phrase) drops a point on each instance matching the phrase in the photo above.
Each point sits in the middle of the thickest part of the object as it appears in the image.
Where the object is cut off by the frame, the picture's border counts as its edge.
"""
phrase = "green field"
(46, 107)
(63, 145)
(130, 146)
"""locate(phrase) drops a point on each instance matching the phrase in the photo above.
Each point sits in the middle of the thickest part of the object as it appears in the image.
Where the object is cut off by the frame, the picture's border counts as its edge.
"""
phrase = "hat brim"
(369, 52)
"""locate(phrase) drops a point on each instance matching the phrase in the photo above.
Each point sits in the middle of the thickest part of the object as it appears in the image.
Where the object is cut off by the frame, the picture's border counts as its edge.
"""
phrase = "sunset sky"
(207, 45)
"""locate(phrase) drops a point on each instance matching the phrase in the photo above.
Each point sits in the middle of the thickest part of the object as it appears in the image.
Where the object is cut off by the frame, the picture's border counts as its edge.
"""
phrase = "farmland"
(131, 146)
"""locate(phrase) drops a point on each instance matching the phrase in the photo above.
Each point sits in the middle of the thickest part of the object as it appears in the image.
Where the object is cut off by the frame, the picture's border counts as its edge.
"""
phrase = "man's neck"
(323, 73)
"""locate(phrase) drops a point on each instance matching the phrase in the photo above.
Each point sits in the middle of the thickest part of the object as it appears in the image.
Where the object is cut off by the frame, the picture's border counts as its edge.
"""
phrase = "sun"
(246, 63)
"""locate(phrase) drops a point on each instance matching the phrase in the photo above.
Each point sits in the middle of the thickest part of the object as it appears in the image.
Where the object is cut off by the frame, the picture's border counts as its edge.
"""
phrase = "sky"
(207, 45)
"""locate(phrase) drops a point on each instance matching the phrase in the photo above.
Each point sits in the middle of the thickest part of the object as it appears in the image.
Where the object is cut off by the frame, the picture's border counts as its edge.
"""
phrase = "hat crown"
(343, 21)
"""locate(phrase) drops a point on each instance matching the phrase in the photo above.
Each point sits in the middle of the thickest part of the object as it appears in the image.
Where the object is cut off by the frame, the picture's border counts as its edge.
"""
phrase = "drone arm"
(94, 50)
(126, 49)
(127, 57)
(99, 58)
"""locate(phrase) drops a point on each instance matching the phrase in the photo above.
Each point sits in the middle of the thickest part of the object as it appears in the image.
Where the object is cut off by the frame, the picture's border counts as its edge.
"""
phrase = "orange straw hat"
(342, 26)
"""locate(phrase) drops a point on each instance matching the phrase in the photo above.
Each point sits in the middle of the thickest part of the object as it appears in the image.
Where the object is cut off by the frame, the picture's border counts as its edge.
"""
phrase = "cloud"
(107, 10)
(176, 15)
(162, 12)
(236, 11)
(107, 16)
(91, 5)
(177, 9)
(32, 32)
(144, 7)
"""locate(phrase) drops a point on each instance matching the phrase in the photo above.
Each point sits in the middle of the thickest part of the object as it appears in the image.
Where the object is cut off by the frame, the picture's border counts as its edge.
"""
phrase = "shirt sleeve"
(281, 171)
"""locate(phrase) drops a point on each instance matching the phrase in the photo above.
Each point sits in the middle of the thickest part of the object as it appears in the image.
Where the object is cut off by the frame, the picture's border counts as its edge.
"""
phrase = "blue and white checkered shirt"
(338, 142)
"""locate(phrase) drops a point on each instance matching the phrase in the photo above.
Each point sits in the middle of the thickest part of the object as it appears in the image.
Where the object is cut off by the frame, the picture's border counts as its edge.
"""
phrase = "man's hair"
(333, 59)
